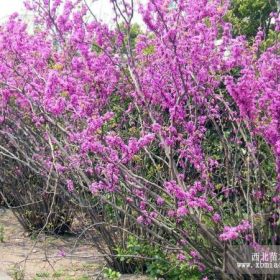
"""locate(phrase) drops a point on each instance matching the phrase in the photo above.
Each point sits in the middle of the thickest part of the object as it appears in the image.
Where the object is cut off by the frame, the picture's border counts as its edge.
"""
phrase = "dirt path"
(4, 276)
(46, 257)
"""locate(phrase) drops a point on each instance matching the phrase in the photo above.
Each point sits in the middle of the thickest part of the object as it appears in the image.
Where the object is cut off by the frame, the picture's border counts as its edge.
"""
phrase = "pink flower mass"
(158, 127)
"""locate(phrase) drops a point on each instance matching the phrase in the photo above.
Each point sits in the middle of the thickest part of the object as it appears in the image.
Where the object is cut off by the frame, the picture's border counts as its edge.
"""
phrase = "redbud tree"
(177, 131)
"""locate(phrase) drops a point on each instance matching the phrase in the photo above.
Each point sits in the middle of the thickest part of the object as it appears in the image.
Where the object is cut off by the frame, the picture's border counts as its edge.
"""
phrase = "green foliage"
(134, 32)
(96, 48)
(57, 274)
(111, 274)
(2, 233)
(42, 274)
(130, 35)
(153, 261)
(149, 50)
(271, 38)
(248, 15)
(17, 273)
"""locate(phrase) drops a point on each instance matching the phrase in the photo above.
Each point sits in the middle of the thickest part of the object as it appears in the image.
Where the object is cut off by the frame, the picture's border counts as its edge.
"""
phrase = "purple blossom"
(160, 201)
(182, 211)
(181, 257)
(70, 185)
(232, 233)
(216, 218)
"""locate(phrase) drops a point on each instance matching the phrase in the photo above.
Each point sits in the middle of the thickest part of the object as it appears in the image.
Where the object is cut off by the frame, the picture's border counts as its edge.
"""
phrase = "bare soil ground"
(46, 257)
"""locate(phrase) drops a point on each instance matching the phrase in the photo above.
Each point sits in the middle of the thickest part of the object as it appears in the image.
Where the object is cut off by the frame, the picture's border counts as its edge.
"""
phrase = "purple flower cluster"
(232, 233)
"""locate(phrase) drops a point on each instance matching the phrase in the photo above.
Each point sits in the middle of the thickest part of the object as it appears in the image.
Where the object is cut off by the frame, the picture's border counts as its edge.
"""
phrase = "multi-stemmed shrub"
(37, 200)
(173, 136)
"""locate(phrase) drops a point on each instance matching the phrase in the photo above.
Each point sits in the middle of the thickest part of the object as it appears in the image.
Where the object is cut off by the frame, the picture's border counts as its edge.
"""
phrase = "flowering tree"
(177, 134)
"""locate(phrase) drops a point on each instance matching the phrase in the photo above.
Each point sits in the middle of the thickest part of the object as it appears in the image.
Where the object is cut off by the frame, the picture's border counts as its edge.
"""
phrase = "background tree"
(248, 15)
